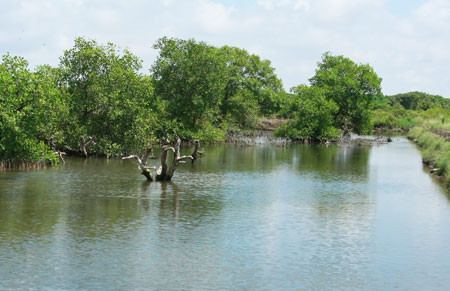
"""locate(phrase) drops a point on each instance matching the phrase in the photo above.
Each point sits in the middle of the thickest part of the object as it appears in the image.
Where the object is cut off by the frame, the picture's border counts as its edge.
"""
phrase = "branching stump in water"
(85, 145)
(164, 172)
(142, 161)
(196, 152)
(58, 153)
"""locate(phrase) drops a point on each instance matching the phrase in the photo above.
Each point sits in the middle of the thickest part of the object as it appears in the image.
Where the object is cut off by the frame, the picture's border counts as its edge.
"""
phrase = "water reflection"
(334, 162)
(298, 217)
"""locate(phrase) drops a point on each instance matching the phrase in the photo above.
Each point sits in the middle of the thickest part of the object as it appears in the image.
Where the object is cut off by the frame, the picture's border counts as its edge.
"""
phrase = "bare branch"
(133, 157)
(60, 155)
(185, 158)
(85, 145)
(146, 154)
(143, 167)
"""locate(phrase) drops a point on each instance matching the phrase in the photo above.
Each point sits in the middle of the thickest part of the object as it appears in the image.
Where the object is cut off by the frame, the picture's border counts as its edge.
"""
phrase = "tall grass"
(435, 149)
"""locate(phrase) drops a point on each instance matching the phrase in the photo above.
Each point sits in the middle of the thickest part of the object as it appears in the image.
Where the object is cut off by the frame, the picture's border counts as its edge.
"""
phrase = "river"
(241, 218)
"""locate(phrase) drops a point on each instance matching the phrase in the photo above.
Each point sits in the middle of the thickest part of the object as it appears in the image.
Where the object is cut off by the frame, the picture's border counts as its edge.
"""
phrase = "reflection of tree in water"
(231, 158)
(189, 206)
(144, 199)
(29, 211)
(342, 216)
(99, 215)
(334, 161)
(341, 186)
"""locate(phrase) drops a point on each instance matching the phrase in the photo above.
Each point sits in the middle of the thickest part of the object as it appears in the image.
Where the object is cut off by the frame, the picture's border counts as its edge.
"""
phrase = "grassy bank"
(429, 129)
(433, 136)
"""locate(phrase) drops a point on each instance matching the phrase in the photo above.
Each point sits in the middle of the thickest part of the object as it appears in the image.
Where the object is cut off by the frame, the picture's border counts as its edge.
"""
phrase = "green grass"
(435, 149)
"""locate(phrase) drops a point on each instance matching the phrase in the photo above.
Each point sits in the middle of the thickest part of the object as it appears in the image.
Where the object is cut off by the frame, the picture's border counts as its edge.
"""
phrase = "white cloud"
(410, 52)
(214, 17)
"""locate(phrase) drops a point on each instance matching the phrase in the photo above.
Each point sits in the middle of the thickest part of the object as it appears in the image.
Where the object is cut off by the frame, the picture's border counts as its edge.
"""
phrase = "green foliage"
(418, 101)
(312, 116)
(351, 86)
(431, 135)
(190, 77)
(30, 107)
(383, 119)
(380, 102)
(109, 99)
(256, 77)
(435, 149)
(201, 84)
(242, 109)
(393, 118)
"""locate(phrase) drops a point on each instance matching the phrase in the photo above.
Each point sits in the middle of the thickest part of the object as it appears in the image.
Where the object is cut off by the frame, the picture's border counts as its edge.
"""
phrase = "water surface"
(252, 218)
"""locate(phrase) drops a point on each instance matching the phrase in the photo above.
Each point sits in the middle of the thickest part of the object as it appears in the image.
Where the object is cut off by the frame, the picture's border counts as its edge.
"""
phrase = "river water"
(240, 218)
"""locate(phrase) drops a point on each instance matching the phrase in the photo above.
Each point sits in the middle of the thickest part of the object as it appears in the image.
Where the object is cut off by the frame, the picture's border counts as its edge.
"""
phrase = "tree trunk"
(85, 145)
(196, 152)
(165, 173)
(145, 170)
(59, 153)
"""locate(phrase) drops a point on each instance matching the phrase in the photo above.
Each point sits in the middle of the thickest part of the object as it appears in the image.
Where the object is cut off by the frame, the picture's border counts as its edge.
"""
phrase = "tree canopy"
(30, 107)
(194, 89)
(312, 116)
(353, 87)
(109, 98)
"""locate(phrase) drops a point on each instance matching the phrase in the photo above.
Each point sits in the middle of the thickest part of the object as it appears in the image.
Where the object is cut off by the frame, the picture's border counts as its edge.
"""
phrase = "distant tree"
(353, 87)
(312, 116)
(248, 72)
(418, 101)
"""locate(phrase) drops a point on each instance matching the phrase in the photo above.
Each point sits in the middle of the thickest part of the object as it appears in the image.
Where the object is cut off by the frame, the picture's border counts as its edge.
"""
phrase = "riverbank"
(435, 150)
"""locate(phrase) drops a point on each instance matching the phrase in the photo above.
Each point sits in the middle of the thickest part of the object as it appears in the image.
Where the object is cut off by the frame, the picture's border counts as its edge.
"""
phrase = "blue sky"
(402, 7)
(406, 42)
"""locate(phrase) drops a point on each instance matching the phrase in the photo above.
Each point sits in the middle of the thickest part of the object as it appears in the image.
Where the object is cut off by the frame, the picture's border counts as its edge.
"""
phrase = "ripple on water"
(298, 217)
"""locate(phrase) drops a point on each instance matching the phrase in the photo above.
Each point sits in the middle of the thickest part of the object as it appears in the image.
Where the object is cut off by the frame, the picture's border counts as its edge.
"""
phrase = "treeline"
(98, 96)
(400, 111)
(98, 93)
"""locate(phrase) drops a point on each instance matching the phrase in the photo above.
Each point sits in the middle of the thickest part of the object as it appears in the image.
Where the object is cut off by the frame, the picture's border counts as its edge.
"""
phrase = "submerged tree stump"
(57, 152)
(85, 145)
(145, 170)
(196, 152)
(166, 171)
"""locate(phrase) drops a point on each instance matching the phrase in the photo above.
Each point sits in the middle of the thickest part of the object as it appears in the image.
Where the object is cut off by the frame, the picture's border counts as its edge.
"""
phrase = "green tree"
(253, 83)
(312, 116)
(110, 99)
(353, 87)
(189, 77)
(31, 108)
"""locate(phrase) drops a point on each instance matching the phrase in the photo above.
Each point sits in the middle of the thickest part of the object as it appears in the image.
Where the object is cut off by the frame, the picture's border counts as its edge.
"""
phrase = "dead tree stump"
(142, 161)
(165, 172)
(85, 145)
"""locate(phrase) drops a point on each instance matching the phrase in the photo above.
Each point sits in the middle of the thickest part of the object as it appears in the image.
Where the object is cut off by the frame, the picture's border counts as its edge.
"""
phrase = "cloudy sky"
(407, 42)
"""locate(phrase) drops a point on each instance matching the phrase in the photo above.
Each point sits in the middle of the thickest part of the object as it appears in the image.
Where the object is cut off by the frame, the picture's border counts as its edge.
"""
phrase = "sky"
(407, 42)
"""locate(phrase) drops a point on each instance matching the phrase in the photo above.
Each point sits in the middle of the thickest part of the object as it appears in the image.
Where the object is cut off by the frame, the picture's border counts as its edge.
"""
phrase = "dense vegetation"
(425, 118)
(195, 89)
(339, 98)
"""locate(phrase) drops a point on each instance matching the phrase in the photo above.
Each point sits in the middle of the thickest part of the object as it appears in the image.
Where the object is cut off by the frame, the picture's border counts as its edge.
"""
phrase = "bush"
(312, 116)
